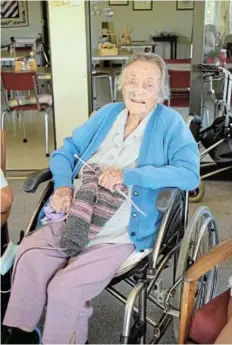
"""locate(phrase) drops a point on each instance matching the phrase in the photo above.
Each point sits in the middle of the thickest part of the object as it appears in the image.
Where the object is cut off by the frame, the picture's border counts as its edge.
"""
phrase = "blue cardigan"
(169, 157)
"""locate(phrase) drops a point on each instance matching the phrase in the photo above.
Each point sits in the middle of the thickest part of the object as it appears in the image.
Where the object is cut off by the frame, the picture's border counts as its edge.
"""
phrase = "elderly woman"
(141, 145)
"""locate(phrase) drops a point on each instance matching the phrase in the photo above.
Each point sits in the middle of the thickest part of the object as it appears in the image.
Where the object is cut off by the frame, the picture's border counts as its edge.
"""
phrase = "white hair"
(156, 60)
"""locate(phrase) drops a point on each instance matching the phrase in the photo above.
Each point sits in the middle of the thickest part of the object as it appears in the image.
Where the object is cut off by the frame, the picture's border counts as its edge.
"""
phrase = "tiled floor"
(30, 155)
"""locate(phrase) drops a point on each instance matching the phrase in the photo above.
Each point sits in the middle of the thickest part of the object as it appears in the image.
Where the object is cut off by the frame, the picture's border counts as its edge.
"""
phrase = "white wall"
(163, 17)
(69, 60)
(35, 25)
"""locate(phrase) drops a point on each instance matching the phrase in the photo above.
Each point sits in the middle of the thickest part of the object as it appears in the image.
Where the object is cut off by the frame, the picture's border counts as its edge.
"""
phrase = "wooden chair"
(215, 256)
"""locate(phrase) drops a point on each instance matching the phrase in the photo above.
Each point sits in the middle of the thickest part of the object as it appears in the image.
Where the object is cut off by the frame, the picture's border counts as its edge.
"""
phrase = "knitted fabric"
(92, 207)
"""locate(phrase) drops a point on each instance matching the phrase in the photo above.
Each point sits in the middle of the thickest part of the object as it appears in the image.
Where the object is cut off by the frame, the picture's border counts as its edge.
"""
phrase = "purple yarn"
(52, 216)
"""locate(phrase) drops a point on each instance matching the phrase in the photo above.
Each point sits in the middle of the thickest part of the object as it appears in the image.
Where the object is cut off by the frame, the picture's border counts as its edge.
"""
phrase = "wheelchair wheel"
(200, 236)
(197, 194)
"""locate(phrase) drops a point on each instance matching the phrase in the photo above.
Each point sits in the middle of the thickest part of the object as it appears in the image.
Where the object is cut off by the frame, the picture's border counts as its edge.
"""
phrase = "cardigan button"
(135, 193)
(134, 215)
(132, 233)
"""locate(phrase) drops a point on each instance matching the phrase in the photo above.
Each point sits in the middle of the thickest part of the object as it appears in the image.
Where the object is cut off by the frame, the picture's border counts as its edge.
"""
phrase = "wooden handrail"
(215, 256)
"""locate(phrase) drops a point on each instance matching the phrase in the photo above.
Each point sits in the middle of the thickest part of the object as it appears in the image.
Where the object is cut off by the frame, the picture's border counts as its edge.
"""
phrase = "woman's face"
(141, 87)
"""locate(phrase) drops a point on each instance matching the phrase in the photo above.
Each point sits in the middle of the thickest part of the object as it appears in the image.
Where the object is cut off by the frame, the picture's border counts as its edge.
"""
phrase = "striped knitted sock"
(92, 207)
(105, 207)
(75, 232)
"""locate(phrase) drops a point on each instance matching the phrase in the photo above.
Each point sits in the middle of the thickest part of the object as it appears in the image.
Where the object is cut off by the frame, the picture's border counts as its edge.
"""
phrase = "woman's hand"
(6, 199)
(6, 202)
(62, 200)
(110, 178)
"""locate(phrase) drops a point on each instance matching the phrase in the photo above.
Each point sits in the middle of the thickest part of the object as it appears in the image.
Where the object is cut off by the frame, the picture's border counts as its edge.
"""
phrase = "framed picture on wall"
(142, 5)
(14, 14)
(185, 5)
(118, 3)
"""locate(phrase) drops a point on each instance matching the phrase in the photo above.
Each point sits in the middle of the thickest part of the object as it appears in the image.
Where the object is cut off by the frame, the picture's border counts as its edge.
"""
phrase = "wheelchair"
(179, 243)
(213, 135)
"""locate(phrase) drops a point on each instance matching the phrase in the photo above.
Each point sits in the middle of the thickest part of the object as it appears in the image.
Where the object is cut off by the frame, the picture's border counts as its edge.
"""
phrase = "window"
(230, 17)
(212, 13)
(209, 11)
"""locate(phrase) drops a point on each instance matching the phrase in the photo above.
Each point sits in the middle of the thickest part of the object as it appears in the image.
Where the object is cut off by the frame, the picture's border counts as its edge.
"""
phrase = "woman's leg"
(72, 288)
(33, 269)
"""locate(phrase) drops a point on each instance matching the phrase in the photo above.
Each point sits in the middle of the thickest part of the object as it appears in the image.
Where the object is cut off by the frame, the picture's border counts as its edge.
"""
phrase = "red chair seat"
(180, 94)
(209, 320)
(180, 102)
(180, 99)
(26, 107)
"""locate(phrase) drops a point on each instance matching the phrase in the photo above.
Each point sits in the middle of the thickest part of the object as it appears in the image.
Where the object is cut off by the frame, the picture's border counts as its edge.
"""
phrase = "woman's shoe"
(17, 336)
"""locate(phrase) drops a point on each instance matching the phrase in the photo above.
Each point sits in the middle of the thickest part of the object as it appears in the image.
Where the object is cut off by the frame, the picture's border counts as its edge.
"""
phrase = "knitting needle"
(86, 164)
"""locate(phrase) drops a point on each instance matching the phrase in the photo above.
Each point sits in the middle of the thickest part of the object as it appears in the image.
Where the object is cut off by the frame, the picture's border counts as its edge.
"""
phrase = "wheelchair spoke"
(200, 295)
(201, 234)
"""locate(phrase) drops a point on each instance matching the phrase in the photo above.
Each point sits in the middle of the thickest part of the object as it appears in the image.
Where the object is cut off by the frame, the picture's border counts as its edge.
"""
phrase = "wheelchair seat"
(132, 261)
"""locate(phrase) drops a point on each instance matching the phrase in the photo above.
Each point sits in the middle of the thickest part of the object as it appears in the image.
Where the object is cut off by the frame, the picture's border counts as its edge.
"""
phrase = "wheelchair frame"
(171, 243)
(222, 107)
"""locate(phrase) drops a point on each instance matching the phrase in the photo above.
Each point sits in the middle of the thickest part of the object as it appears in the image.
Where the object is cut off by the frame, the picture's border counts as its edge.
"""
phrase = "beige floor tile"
(30, 155)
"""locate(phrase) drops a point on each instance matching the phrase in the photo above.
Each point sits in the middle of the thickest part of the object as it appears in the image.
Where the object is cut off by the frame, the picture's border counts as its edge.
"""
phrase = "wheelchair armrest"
(35, 179)
(165, 198)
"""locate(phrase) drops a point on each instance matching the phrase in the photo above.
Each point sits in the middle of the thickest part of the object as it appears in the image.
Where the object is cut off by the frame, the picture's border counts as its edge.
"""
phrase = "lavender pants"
(45, 275)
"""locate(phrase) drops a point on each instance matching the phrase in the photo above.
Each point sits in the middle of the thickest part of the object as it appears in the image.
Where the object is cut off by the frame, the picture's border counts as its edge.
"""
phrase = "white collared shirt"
(117, 152)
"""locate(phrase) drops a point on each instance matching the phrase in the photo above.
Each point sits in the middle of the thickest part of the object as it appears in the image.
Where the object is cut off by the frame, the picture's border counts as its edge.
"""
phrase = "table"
(173, 43)
(124, 56)
(43, 73)
(142, 45)
(19, 54)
